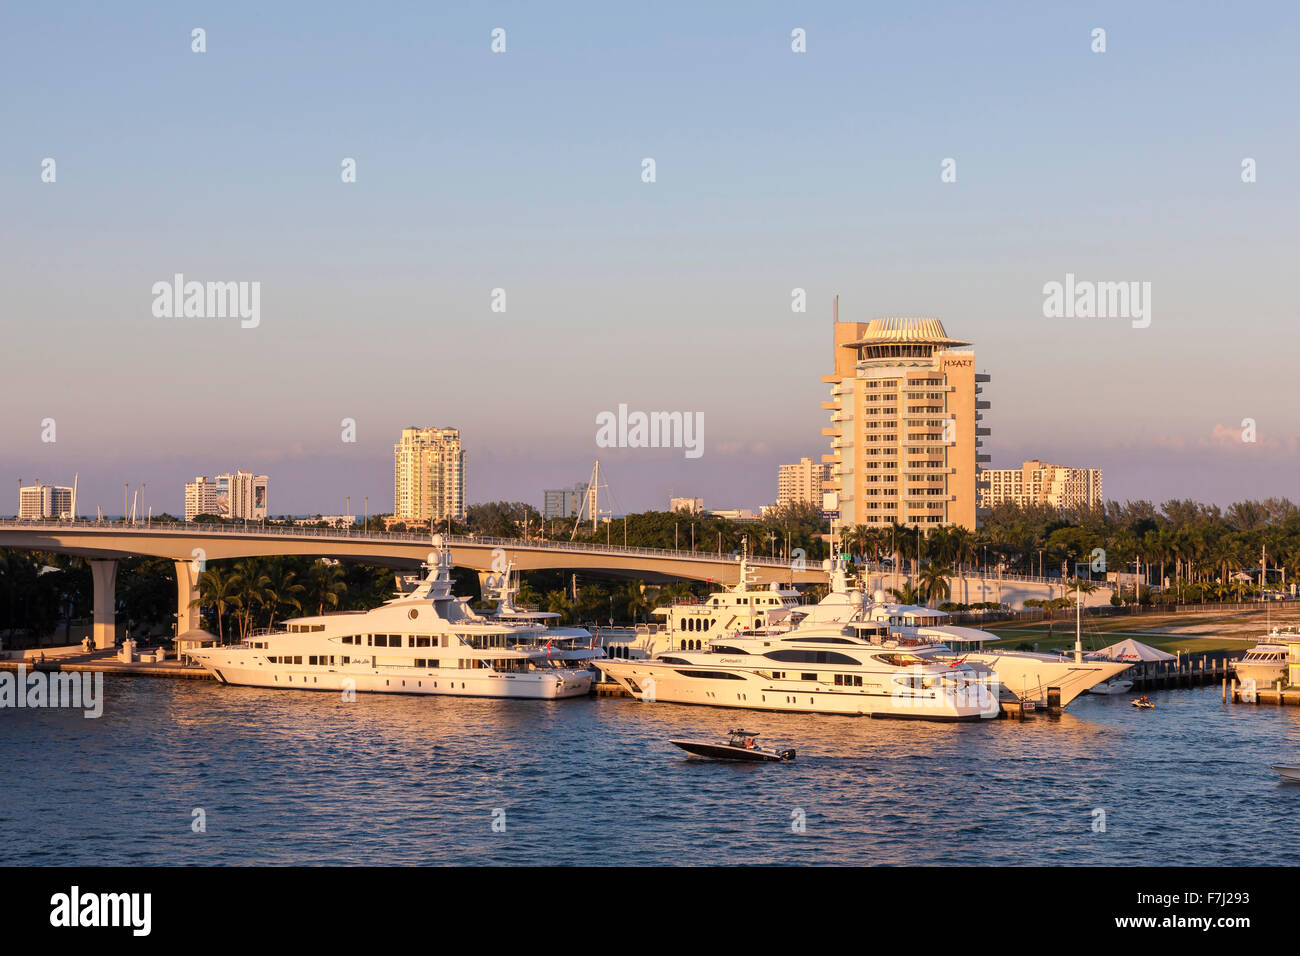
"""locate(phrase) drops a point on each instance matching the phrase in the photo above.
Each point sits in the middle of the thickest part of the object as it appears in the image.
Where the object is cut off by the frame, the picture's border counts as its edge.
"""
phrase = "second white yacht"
(424, 641)
(850, 668)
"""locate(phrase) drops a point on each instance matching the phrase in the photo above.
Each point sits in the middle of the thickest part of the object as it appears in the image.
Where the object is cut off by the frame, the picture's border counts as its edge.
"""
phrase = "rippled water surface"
(296, 777)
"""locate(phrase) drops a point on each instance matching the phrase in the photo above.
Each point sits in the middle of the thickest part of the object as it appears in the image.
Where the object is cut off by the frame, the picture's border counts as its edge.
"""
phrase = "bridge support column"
(103, 573)
(187, 592)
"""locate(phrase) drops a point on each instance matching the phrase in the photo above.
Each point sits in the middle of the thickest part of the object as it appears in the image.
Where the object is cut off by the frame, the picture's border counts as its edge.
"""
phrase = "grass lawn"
(1188, 632)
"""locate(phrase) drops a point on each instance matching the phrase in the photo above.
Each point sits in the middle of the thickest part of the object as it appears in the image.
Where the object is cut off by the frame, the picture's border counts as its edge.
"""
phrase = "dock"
(1268, 696)
(1197, 670)
(110, 666)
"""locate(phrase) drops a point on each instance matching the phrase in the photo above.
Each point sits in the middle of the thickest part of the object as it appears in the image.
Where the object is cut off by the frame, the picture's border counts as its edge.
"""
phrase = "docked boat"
(744, 611)
(851, 669)
(571, 649)
(690, 625)
(1116, 685)
(1267, 661)
(740, 745)
(424, 641)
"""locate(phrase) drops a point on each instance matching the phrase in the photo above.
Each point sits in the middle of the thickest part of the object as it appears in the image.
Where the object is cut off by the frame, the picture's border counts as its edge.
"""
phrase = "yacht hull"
(1263, 674)
(544, 686)
(658, 682)
(1029, 675)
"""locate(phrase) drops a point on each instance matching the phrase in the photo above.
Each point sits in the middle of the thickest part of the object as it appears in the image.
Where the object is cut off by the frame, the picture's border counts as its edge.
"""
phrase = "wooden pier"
(110, 666)
(1194, 670)
(1267, 696)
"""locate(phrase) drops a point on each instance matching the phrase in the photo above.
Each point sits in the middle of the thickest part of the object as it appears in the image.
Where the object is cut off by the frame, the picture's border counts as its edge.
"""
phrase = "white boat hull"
(1112, 687)
(657, 682)
(1029, 675)
(1289, 773)
(545, 685)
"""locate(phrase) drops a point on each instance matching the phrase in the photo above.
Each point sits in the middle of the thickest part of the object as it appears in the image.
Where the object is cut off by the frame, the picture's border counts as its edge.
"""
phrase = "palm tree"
(634, 598)
(934, 583)
(907, 594)
(558, 602)
(220, 591)
(283, 590)
(252, 583)
(324, 585)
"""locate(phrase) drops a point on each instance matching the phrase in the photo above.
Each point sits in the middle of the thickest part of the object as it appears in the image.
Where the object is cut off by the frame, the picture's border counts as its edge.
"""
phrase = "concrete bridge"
(189, 546)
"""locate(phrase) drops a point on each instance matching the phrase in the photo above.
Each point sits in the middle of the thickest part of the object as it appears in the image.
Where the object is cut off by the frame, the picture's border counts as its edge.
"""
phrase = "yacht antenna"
(590, 502)
(1078, 622)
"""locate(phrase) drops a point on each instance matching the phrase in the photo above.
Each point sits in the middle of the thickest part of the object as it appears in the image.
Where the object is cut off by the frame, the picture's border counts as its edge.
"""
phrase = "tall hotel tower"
(429, 475)
(905, 425)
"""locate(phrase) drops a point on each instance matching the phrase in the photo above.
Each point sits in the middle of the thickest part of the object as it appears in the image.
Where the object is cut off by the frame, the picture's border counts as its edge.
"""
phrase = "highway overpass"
(190, 546)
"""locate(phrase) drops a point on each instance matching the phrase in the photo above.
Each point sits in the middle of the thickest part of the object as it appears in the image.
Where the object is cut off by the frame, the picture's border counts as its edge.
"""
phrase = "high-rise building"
(429, 475)
(1038, 483)
(801, 484)
(905, 425)
(567, 502)
(692, 506)
(246, 493)
(44, 501)
(239, 494)
(201, 498)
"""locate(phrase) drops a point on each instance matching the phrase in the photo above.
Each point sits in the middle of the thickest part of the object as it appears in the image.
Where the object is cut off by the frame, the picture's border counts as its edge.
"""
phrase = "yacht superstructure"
(1269, 659)
(850, 668)
(690, 625)
(564, 648)
(1025, 675)
(424, 641)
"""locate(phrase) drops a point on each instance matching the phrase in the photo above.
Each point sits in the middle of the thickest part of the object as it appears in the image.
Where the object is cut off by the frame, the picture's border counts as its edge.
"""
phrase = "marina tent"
(193, 639)
(1130, 650)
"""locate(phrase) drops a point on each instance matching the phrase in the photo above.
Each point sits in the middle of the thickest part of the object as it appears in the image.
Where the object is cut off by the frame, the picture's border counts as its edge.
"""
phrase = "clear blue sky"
(522, 171)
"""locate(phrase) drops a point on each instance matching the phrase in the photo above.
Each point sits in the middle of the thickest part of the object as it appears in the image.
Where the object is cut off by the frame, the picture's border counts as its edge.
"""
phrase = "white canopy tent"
(1129, 650)
(194, 639)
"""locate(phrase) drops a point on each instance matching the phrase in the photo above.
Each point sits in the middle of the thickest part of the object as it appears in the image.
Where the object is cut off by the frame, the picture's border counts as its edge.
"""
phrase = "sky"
(523, 171)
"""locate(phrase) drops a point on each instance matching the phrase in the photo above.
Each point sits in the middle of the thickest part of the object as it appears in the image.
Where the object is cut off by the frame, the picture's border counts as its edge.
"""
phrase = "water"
(295, 777)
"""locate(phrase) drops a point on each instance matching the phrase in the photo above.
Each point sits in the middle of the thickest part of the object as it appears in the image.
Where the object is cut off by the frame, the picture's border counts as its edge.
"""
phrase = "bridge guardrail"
(378, 537)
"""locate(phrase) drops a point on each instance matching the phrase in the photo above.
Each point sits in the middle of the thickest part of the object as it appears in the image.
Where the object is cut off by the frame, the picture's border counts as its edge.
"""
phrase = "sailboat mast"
(1078, 623)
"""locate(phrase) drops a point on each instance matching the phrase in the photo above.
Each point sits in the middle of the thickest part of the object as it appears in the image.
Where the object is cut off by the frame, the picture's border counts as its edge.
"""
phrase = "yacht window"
(711, 675)
(800, 656)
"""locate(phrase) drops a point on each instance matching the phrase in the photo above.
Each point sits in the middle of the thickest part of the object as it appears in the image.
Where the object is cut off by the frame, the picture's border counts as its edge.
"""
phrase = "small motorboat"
(1291, 774)
(1143, 703)
(1116, 686)
(740, 745)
